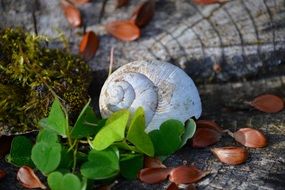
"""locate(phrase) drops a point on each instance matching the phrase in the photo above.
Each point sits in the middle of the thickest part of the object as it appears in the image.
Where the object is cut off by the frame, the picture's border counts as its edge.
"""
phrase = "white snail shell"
(163, 90)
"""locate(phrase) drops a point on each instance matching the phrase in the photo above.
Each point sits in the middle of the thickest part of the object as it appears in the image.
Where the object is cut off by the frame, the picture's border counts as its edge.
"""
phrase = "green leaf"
(56, 120)
(85, 124)
(57, 181)
(47, 135)
(167, 139)
(138, 136)
(190, 130)
(130, 165)
(66, 159)
(20, 151)
(101, 164)
(46, 157)
(54, 180)
(113, 131)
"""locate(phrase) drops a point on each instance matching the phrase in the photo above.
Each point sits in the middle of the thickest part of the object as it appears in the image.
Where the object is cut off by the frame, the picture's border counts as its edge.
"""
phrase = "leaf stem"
(74, 157)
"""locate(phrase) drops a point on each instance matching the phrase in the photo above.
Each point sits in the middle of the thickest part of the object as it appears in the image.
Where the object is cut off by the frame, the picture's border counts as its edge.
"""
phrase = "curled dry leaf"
(89, 45)
(123, 30)
(154, 175)
(122, 3)
(2, 174)
(80, 1)
(209, 124)
(143, 13)
(205, 137)
(28, 178)
(217, 68)
(250, 137)
(172, 186)
(268, 103)
(72, 14)
(186, 174)
(153, 163)
(206, 2)
(231, 155)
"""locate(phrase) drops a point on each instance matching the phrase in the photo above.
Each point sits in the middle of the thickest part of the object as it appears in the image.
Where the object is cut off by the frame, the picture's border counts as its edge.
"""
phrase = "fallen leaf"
(217, 68)
(154, 175)
(123, 30)
(205, 137)
(186, 174)
(206, 2)
(250, 137)
(72, 14)
(80, 1)
(231, 155)
(28, 178)
(121, 3)
(172, 186)
(268, 103)
(143, 13)
(150, 162)
(2, 174)
(88, 45)
(209, 124)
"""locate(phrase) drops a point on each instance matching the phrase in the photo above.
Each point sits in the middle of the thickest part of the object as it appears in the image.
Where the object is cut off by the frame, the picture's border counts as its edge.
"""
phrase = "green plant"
(115, 146)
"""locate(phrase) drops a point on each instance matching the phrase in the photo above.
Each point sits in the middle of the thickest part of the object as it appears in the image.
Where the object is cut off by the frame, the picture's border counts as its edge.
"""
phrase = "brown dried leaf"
(80, 1)
(28, 178)
(123, 30)
(209, 124)
(153, 163)
(250, 137)
(89, 45)
(268, 103)
(143, 13)
(72, 14)
(231, 155)
(186, 174)
(121, 3)
(206, 2)
(154, 175)
(2, 174)
(172, 186)
(204, 137)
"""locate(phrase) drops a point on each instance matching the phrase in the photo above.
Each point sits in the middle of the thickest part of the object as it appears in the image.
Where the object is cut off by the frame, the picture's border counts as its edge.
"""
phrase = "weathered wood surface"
(247, 38)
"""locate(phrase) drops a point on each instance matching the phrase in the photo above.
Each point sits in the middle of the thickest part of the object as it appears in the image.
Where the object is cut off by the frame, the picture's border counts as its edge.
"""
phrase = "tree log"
(245, 38)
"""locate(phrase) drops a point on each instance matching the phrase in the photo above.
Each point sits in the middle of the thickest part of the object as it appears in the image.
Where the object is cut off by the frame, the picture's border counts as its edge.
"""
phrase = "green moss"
(29, 71)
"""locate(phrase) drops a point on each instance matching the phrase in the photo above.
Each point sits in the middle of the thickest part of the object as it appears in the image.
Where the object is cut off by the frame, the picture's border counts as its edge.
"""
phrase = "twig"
(111, 61)
(35, 7)
(229, 132)
(102, 11)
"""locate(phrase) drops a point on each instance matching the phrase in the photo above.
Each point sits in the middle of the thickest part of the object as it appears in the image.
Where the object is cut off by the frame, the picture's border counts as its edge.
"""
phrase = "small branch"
(229, 132)
(35, 7)
(102, 11)
(111, 61)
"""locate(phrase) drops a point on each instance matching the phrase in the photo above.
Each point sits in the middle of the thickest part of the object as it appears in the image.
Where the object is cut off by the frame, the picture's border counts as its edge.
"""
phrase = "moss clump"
(29, 72)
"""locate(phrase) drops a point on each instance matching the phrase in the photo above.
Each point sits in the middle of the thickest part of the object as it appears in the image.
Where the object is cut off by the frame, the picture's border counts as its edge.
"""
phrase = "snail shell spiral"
(163, 90)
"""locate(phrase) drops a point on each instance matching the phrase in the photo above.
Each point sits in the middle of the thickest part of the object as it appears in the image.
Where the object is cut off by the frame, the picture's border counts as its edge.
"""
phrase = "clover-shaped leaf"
(168, 138)
(114, 130)
(101, 164)
(58, 181)
(137, 135)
